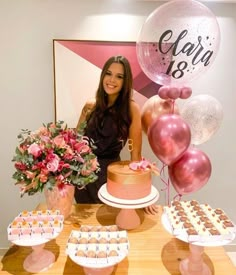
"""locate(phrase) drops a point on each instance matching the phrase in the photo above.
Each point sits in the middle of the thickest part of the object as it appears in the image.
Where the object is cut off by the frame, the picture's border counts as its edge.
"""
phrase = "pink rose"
(53, 164)
(85, 149)
(59, 141)
(35, 150)
(82, 147)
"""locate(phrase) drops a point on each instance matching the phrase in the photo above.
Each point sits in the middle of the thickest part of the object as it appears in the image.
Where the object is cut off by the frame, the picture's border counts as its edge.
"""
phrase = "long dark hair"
(121, 108)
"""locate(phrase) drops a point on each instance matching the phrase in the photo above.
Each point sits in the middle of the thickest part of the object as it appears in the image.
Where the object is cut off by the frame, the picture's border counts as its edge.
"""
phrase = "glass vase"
(61, 199)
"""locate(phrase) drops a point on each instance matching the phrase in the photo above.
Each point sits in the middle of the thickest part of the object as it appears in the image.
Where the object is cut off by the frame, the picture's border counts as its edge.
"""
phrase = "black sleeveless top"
(105, 135)
(109, 143)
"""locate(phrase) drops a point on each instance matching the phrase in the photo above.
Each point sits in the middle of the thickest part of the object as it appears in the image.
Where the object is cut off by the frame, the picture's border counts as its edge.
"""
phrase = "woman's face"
(113, 79)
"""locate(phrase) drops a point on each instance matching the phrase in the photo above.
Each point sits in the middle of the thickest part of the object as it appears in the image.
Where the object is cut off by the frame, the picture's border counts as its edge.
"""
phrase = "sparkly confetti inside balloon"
(178, 42)
(204, 115)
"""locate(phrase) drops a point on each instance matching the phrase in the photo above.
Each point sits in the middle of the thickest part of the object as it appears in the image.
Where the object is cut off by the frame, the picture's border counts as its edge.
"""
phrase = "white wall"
(27, 28)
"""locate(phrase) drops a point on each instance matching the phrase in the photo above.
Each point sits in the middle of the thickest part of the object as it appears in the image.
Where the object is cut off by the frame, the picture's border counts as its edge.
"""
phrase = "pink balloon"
(185, 92)
(174, 93)
(191, 172)
(163, 92)
(169, 137)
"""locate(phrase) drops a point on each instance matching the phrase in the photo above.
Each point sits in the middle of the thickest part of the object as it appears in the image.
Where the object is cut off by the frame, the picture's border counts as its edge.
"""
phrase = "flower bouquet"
(54, 155)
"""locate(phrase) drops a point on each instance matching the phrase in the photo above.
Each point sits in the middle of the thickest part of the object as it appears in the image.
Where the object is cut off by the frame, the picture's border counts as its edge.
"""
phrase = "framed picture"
(77, 67)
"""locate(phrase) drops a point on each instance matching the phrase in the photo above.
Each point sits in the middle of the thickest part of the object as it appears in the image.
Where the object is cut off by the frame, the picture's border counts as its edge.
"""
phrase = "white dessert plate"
(97, 263)
(34, 241)
(106, 197)
(167, 226)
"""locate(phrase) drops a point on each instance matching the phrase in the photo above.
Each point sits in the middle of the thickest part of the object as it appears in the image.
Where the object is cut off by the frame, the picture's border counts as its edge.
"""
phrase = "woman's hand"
(151, 210)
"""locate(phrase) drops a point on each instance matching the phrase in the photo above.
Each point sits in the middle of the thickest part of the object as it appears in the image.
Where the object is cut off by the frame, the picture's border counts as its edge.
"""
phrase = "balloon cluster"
(177, 43)
(172, 135)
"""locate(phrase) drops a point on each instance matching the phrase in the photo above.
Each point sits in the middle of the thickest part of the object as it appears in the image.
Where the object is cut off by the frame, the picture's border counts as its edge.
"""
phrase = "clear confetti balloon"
(178, 42)
(204, 115)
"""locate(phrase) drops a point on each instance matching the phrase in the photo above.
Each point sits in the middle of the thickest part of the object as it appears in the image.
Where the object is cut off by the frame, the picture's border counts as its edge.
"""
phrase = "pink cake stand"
(128, 218)
(98, 271)
(194, 264)
(39, 259)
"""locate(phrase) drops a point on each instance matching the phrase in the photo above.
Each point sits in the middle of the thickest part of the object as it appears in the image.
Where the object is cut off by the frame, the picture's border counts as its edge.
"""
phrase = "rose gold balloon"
(154, 107)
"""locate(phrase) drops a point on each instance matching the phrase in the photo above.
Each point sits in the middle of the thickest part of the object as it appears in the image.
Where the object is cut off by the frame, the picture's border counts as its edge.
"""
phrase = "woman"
(111, 119)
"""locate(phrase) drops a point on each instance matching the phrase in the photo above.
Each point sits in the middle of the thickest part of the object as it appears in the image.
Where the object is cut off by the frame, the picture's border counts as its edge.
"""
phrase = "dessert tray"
(97, 247)
(198, 224)
(35, 228)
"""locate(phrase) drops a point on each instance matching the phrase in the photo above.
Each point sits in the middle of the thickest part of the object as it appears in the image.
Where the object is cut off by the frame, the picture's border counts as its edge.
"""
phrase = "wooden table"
(152, 249)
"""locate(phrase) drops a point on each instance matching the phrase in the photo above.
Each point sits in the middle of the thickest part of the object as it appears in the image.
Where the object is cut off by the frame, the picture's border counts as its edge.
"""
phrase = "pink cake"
(125, 183)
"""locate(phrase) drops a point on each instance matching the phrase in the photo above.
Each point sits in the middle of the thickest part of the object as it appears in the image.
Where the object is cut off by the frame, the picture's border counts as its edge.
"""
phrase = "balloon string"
(162, 172)
(173, 106)
(178, 196)
(166, 182)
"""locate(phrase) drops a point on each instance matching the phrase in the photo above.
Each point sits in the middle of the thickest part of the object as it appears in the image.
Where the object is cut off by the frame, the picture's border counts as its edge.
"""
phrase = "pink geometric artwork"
(77, 67)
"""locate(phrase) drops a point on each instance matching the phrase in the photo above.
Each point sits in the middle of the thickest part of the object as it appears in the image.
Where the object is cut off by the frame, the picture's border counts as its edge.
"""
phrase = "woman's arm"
(135, 132)
(85, 111)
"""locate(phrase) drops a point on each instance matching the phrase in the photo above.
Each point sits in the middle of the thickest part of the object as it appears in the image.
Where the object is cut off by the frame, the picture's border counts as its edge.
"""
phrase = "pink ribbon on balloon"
(166, 182)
